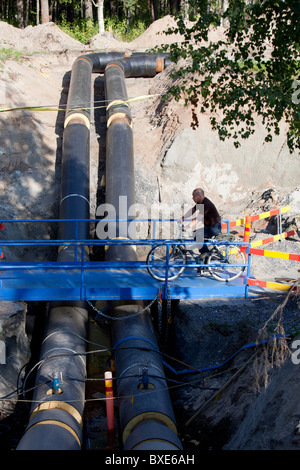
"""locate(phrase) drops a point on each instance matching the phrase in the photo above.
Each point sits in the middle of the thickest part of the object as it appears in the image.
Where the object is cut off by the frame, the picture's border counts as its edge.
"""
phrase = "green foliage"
(237, 79)
(9, 53)
(81, 30)
(124, 31)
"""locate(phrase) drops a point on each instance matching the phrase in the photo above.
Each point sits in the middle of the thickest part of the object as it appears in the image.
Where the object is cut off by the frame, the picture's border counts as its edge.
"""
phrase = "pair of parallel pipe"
(146, 414)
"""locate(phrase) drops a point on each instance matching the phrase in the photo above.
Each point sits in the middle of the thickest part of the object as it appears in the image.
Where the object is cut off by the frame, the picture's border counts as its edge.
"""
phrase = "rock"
(14, 351)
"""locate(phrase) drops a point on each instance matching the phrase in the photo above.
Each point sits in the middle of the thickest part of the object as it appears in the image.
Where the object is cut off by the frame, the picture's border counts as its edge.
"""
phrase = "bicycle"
(224, 262)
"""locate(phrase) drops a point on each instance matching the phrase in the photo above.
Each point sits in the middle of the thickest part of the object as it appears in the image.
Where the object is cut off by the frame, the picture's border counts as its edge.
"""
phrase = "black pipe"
(148, 421)
(141, 64)
(74, 202)
(56, 414)
(80, 91)
(145, 410)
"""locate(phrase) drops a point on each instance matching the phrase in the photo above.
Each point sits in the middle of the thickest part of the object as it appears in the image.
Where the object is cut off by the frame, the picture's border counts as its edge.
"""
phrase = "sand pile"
(106, 41)
(44, 37)
(155, 35)
(50, 38)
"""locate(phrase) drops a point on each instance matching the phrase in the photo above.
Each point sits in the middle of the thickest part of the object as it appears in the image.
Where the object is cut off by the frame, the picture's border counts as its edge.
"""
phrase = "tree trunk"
(26, 16)
(154, 13)
(174, 7)
(37, 11)
(224, 21)
(100, 16)
(88, 10)
(45, 11)
(185, 9)
(20, 13)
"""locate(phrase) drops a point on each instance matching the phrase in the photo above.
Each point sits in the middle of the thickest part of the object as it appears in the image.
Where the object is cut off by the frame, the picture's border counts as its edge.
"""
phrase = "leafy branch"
(252, 72)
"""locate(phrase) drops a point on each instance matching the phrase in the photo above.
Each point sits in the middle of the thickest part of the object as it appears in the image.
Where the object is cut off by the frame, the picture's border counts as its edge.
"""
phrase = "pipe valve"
(57, 382)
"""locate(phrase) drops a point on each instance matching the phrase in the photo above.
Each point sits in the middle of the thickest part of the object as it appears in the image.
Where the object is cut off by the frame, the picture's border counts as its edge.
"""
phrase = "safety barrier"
(273, 254)
(260, 216)
(250, 247)
(250, 250)
(275, 238)
(269, 284)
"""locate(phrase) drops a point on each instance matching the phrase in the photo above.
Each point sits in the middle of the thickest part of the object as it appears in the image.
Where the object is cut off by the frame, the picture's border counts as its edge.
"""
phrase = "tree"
(45, 11)
(174, 6)
(37, 11)
(88, 10)
(100, 14)
(20, 13)
(154, 11)
(254, 71)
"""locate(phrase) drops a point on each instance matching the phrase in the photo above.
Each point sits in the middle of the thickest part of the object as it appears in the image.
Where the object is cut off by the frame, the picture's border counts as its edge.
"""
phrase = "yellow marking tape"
(45, 108)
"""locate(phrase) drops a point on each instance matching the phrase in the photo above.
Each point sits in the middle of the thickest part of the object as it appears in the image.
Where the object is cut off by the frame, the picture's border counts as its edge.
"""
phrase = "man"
(212, 219)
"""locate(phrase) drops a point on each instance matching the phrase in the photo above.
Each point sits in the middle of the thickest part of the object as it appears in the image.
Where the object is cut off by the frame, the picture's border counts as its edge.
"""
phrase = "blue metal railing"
(80, 263)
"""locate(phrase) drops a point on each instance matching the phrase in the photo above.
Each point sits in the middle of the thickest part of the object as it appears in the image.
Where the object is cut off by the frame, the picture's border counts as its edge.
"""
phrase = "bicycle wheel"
(224, 269)
(156, 261)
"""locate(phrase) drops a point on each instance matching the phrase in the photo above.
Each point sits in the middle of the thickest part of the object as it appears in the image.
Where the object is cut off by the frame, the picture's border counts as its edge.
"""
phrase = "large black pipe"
(136, 64)
(148, 421)
(56, 414)
(56, 418)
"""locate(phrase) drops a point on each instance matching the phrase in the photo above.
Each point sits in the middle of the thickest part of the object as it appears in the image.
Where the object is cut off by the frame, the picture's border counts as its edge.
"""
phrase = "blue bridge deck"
(102, 280)
(113, 284)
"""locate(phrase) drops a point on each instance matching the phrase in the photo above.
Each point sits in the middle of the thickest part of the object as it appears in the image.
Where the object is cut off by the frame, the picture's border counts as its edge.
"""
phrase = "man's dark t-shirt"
(211, 215)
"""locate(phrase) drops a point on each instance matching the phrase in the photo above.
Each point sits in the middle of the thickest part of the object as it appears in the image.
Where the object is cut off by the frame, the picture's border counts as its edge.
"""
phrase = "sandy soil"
(208, 333)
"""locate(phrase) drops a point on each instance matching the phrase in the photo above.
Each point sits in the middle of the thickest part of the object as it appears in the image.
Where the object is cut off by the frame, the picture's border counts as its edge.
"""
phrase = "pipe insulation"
(146, 416)
(56, 414)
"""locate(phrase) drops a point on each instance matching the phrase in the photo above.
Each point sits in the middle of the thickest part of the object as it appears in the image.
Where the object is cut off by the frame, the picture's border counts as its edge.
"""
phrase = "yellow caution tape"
(48, 108)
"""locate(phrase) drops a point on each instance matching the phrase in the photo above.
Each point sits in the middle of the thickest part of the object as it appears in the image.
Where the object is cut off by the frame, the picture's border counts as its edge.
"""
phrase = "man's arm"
(189, 213)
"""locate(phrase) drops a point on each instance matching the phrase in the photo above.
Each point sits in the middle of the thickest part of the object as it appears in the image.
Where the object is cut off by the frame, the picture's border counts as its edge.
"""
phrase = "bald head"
(198, 195)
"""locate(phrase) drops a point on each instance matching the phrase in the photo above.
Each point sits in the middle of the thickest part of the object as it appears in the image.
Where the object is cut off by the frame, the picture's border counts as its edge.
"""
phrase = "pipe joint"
(152, 435)
(53, 427)
(77, 118)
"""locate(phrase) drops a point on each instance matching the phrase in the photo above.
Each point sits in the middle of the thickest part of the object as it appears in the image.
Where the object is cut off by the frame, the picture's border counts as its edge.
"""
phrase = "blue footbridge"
(84, 280)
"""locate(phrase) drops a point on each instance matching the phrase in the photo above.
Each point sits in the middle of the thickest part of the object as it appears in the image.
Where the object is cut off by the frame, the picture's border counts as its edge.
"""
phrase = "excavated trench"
(217, 337)
(147, 422)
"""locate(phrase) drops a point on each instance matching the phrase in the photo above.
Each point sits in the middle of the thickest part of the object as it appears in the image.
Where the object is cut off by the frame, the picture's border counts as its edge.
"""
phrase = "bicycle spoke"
(224, 268)
(156, 261)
